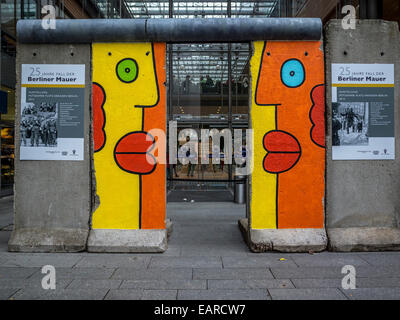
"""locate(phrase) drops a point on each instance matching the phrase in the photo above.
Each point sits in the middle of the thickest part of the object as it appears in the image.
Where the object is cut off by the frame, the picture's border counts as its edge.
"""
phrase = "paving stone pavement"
(206, 259)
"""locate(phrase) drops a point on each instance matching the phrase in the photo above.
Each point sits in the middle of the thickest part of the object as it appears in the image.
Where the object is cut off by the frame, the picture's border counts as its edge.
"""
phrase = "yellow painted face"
(126, 71)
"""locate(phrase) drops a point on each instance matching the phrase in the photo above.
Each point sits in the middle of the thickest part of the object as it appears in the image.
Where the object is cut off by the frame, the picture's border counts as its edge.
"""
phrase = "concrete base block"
(48, 240)
(127, 241)
(284, 240)
(364, 239)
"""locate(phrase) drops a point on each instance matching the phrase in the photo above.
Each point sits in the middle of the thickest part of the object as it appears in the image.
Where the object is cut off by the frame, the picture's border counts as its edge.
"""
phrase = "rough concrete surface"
(111, 240)
(364, 239)
(284, 240)
(362, 193)
(52, 195)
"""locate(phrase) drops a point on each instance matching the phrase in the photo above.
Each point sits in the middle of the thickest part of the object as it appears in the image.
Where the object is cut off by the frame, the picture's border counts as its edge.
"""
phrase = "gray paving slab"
(221, 294)
(16, 272)
(249, 284)
(7, 293)
(94, 284)
(307, 294)
(153, 274)
(333, 272)
(60, 294)
(324, 260)
(337, 283)
(378, 271)
(30, 283)
(42, 259)
(80, 273)
(373, 294)
(185, 262)
(256, 262)
(229, 274)
(164, 284)
(114, 261)
(124, 294)
(235, 249)
(159, 295)
(383, 259)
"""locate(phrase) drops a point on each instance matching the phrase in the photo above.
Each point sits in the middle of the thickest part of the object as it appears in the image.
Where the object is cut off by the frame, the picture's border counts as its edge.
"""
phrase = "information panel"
(52, 111)
(363, 112)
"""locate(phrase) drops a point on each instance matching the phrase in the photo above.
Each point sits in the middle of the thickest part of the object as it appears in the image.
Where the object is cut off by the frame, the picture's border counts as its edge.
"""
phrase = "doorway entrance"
(208, 89)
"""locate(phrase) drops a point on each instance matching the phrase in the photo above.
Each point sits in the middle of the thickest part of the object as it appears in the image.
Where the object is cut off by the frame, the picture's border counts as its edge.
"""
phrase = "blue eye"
(293, 73)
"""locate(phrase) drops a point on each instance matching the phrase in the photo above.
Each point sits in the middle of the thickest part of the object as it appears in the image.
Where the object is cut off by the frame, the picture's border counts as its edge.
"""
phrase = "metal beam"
(170, 30)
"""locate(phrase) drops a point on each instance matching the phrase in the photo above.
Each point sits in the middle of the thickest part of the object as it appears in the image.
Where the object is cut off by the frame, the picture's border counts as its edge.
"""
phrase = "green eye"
(127, 70)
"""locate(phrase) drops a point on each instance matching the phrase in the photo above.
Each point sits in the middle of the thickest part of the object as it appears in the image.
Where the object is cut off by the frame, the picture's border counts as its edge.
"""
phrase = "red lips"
(131, 153)
(284, 151)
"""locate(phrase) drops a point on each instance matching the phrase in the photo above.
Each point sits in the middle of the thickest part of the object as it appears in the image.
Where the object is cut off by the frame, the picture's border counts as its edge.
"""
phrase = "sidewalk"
(206, 259)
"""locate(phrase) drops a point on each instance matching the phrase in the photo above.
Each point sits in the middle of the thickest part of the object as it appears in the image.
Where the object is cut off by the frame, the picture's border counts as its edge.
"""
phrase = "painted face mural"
(289, 135)
(128, 101)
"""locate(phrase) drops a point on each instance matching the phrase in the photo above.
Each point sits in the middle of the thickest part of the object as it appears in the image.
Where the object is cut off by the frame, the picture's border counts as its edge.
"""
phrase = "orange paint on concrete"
(301, 189)
(153, 198)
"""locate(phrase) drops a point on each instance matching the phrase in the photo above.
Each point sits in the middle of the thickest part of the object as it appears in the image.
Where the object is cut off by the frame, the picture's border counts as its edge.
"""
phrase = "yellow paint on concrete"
(263, 184)
(119, 191)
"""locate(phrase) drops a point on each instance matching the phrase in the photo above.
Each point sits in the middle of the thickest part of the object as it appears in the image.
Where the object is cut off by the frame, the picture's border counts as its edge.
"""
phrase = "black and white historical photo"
(38, 127)
(350, 124)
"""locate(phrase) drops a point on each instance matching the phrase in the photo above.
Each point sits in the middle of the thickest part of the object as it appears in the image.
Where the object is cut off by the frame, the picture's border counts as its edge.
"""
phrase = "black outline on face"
(158, 89)
(137, 70)
(258, 80)
(304, 71)
(291, 152)
(104, 116)
(146, 152)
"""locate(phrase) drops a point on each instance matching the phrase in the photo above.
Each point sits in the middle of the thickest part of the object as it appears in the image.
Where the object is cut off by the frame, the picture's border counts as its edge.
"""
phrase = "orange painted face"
(288, 72)
(291, 80)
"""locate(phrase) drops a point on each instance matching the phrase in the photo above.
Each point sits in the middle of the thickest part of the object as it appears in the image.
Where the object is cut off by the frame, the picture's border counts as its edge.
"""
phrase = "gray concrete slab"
(257, 262)
(185, 262)
(62, 294)
(31, 283)
(16, 272)
(249, 284)
(318, 260)
(333, 272)
(80, 273)
(362, 193)
(152, 274)
(373, 294)
(383, 259)
(39, 260)
(307, 294)
(337, 283)
(7, 293)
(113, 261)
(164, 284)
(234, 249)
(220, 294)
(94, 284)
(159, 295)
(229, 274)
(124, 294)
